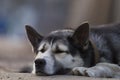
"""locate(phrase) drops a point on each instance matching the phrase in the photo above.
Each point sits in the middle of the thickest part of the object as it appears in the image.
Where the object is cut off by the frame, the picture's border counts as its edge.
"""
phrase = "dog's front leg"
(100, 70)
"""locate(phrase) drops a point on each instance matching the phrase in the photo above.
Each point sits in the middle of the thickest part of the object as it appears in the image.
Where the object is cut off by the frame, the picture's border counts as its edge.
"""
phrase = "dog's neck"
(96, 52)
(90, 55)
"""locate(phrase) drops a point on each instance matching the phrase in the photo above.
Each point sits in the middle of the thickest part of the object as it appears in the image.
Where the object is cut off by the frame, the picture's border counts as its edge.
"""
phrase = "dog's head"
(59, 51)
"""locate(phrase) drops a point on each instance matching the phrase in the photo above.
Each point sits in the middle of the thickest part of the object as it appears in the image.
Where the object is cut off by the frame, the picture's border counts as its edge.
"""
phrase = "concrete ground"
(26, 76)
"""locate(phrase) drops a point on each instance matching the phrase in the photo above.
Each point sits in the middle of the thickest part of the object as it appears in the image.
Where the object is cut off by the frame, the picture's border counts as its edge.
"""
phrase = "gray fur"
(80, 49)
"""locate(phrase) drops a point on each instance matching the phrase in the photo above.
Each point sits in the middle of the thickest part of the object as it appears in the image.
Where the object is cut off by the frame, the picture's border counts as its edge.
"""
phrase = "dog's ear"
(33, 36)
(81, 35)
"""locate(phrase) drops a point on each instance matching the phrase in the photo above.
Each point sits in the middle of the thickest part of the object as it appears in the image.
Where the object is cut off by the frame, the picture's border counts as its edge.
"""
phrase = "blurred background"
(45, 16)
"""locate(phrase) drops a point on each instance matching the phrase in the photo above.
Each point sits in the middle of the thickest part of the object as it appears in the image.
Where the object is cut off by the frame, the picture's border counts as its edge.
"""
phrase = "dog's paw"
(90, 72)
(81, 71)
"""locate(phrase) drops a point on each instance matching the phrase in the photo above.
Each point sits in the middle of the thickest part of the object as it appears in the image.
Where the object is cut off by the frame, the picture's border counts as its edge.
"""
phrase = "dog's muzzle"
(39, 66)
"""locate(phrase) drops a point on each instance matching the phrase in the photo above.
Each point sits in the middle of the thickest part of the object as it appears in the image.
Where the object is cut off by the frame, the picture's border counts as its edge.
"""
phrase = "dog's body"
(79, 52)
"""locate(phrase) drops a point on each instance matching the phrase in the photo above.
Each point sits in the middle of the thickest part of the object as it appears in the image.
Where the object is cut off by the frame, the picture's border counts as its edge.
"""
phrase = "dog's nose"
(40, 62)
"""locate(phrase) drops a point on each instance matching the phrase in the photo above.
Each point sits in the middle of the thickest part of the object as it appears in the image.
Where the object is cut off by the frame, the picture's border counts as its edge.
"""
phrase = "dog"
(93, 52)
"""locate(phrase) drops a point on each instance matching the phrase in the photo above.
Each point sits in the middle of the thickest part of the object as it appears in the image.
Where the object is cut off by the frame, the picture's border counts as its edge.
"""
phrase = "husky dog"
(91, 52)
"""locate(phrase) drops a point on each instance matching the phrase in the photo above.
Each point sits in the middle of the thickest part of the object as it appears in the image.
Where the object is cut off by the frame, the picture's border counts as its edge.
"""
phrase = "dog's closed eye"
(42, 50)
(58, 51)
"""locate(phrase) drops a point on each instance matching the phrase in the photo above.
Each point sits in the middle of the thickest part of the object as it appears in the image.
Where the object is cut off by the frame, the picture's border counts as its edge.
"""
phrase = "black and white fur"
(74, 51)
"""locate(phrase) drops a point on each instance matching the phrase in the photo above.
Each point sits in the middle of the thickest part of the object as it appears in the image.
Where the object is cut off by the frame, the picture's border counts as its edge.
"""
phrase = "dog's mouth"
(42, 73)
(59, 72)
(63, 71)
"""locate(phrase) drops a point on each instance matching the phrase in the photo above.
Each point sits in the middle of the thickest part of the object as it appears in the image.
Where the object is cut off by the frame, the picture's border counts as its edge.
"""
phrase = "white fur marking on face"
(43, 45)
(63, 47)
(47, 56)
(67, 60)
(60, 46)
(33, 71)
